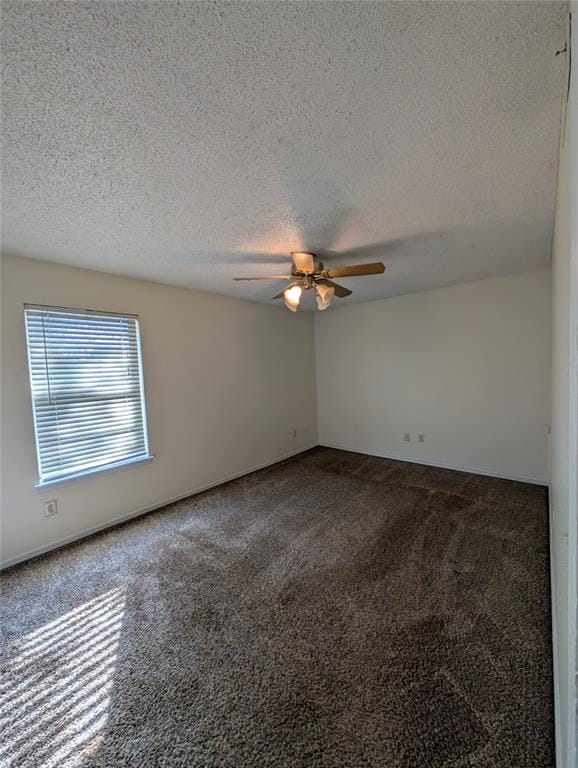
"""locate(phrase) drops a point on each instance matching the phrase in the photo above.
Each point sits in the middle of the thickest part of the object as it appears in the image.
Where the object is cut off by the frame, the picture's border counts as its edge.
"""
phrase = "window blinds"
(87, 390)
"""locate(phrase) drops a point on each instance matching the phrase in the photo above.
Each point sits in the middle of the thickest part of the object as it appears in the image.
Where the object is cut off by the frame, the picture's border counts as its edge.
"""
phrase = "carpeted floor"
(332, 610)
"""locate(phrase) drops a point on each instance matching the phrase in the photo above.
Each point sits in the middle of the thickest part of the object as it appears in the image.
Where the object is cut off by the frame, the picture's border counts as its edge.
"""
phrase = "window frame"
(144, 458)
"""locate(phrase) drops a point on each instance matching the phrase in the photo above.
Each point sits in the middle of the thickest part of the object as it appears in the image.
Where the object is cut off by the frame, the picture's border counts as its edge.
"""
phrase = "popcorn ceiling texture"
(189, 143)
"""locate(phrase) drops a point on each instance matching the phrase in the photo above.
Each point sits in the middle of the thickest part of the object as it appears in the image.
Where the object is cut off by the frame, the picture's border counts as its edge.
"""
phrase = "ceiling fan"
(308, 272)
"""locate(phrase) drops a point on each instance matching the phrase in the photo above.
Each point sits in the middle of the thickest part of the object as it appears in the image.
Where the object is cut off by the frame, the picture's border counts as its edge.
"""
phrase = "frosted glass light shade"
(323, 296)
(291, 297)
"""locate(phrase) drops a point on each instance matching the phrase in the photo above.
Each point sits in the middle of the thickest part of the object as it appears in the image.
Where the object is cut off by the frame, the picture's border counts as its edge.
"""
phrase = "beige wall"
(563, 492)
(226, 383)
(468, 366)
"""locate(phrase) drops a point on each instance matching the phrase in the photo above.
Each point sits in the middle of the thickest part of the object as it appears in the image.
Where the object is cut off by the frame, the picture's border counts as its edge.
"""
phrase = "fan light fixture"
(323, 295)
(309, 273)
(291, 297)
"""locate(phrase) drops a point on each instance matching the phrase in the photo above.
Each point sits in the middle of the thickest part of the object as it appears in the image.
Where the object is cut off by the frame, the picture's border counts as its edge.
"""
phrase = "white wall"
(563, 494)
(468, 366)
(226, 383)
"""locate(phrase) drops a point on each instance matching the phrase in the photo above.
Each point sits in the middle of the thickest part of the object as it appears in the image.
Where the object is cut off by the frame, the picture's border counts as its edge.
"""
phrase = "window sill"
(41, 485)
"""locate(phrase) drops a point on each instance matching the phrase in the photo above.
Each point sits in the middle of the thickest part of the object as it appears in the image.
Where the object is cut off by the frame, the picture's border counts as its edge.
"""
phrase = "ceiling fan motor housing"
(305, 280)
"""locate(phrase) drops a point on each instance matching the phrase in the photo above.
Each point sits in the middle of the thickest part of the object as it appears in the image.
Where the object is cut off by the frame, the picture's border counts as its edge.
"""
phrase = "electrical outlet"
(50, 508)
(407, 437)
(421, 438)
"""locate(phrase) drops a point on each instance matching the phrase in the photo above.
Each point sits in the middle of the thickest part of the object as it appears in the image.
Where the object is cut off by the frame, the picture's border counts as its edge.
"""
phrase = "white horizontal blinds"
(85, 372)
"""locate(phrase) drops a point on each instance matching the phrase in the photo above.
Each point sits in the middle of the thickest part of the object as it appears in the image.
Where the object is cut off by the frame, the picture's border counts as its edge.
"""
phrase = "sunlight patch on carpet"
(56, 685)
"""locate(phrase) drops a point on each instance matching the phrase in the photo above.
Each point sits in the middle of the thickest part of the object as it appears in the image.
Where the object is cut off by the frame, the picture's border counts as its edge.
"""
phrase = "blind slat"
(86, 380)
(101, 463)
(105, 449)
(93, 415)
(106, 455)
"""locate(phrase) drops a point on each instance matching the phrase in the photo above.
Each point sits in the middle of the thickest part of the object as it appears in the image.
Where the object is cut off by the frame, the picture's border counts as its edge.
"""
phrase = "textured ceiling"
(189, 143)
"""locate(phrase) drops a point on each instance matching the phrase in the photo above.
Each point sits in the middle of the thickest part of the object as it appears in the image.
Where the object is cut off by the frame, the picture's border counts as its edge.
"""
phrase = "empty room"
(289, 384)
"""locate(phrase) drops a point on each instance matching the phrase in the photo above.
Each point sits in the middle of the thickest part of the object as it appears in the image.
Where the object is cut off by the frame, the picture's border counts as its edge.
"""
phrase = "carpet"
(332, 610)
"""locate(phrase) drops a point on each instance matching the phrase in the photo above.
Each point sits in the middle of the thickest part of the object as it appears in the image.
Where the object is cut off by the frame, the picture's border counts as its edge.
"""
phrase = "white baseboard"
(123, 518)
(193, 491)
(441, 465)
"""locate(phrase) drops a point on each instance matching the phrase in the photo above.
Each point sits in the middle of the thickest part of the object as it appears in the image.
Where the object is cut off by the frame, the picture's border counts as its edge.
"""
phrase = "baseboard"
(143, 511)
(441, 465)
(193, 491)
(557, 723)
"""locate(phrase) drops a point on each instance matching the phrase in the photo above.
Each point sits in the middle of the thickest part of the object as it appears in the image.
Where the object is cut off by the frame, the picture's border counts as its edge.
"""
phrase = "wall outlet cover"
(50, 508)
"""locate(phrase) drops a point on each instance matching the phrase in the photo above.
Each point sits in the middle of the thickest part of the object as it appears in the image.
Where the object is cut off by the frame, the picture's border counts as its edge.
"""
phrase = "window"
(87, 391)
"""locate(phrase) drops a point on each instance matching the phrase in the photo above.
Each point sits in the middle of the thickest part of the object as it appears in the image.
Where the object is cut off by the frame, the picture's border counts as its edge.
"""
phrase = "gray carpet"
(332, 610)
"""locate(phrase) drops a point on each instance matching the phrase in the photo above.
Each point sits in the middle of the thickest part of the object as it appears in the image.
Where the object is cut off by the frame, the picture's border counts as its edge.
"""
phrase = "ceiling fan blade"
(268, 277)
(340, 291)
(359, 269)
(304, 262)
